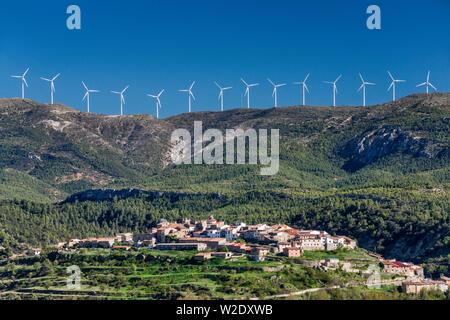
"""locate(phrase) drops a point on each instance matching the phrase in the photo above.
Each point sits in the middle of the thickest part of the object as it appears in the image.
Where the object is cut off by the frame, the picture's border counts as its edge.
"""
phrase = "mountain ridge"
(72, 151)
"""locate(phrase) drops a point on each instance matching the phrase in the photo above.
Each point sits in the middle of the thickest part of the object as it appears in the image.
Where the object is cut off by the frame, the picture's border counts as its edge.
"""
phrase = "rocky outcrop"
(375, 144)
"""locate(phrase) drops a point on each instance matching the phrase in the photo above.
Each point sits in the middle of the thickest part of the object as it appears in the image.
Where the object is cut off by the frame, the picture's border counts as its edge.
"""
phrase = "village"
(215, 239)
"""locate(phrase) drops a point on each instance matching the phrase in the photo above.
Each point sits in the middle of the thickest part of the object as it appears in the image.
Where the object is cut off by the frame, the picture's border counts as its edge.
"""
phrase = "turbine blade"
(340, 76)
(193, 97)
(217, 85)
(271, 82)
(161, 92)
(84, 85)
(390, 75)
(84, 98)
(25, 73)
(25, 80)
(306, 78)
(306, 87)
(192, 85)
(361, 77)
(390, 87)
(46, 79)
(422, 84)
(428, 76)
(126, 88)
(432, 86)
(360, 87)
(244, 82)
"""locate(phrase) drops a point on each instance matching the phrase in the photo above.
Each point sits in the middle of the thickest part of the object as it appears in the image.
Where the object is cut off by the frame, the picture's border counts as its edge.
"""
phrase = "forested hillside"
(380, 174)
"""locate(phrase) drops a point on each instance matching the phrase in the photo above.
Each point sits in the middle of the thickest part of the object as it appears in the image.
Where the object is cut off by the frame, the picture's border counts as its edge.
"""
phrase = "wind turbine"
(393, 85)
(363, 86)
(87, 94)
(221, 94)
(52, 85)
(158, 102)
(122, 99)
(427, 83)
(247, 91)
(190, 94)
(275, 90)
(334, 89)
(24, 82)
(304, 86)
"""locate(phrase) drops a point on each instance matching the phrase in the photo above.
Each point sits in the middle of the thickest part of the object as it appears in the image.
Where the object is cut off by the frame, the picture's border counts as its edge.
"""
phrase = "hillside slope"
(380, 174)
(321, 147)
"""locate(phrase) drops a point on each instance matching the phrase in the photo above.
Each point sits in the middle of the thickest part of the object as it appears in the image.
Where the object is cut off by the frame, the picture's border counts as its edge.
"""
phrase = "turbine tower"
(275, 90)
(52, 85)
(393, 85)
(221, 94)
(122, 99)
(363, 86)
(304, 86)
(247, 91)
(190, 94)
(334, 89)
(427, 83)
(88, 92)
(24, 82)
(158, 102)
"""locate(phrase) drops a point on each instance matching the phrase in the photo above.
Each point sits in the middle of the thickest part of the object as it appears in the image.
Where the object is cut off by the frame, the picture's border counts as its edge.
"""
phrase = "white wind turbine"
(190, 94)
(363, 86)
(88, 92)
(158, 102)
(275, 90)
(52, 85)
(221, 94)
(24, 82)
(334, 89)
(304, 86)
(247, 91)
(427, 83)
(122, 99)
(393, 85)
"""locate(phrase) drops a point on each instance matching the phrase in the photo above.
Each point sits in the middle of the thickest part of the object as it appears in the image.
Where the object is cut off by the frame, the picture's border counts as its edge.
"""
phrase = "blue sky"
(153, 45)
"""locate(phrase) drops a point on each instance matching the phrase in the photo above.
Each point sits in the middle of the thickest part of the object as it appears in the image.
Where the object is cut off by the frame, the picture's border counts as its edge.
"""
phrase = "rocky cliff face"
(375, 144)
